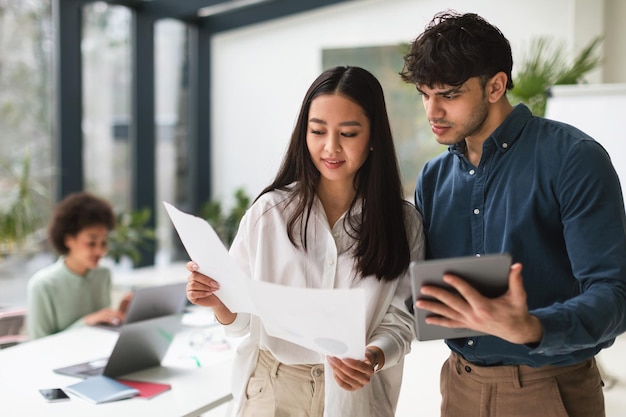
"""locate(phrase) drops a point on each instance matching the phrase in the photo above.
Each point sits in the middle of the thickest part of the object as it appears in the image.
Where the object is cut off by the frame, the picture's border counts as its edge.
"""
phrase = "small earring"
(371, 148)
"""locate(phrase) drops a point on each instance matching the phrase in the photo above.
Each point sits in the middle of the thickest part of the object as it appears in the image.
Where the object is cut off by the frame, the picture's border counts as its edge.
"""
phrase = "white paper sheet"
(206, 249)
(329, 321)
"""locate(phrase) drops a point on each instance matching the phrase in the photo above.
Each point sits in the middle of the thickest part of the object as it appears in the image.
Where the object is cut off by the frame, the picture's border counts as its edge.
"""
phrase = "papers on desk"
(146, 389)
(329, 321)
(101, 389)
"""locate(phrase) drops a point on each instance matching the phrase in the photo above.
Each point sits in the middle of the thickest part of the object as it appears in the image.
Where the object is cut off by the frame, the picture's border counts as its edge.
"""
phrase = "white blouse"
(263, 249)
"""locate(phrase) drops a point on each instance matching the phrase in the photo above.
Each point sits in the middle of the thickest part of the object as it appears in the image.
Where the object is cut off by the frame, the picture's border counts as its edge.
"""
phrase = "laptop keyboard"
(92, 372)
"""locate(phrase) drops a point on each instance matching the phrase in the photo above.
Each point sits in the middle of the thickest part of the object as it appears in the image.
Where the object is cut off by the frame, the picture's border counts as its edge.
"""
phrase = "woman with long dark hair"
(334, 217)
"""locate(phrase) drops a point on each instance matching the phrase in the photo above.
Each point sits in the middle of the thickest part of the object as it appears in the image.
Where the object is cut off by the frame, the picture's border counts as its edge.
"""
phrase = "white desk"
(195, 389)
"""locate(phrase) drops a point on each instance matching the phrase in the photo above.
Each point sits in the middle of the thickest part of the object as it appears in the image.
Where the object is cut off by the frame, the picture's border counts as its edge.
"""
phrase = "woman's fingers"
(350, 374)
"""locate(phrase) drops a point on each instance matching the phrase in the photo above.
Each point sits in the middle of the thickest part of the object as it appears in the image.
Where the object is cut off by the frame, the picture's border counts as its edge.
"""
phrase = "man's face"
(456, 113)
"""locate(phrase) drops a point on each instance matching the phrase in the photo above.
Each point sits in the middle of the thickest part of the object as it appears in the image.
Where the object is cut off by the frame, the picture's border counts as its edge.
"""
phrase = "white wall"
(597, 110)
(615, 42)
(261, 73)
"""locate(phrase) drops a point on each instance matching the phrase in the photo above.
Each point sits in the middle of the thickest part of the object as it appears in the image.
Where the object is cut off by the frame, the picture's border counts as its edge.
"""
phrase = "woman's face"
(338, 138)
(86, 248)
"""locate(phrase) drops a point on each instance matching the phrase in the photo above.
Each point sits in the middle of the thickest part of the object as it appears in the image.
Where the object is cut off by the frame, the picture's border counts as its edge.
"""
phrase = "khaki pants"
(469, 390)
(278, 390)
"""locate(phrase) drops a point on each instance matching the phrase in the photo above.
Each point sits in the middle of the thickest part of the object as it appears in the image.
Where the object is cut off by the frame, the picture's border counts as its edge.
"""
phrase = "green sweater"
(58, 299)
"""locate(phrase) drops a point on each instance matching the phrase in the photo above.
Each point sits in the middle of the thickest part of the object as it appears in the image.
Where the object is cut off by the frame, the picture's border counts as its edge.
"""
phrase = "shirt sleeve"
(239, 327)
(594, 228)
(395, 333)
(397, 330)
(39, 321)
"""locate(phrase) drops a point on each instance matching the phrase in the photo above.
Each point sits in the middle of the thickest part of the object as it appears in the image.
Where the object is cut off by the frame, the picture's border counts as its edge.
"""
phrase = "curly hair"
(76, 212)
(455, 47)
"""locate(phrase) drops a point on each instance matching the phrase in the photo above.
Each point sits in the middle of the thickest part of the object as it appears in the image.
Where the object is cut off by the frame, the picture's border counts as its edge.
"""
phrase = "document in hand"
(298, 315)
(101, 389)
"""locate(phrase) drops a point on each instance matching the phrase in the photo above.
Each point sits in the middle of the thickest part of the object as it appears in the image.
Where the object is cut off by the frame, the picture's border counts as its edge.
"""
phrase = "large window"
(26, 159)
(107, 116)
(106, 102)
(26, 148)
(171, 119)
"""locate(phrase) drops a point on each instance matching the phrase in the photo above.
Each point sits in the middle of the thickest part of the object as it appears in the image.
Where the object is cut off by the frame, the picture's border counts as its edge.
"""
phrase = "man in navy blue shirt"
(540, 190)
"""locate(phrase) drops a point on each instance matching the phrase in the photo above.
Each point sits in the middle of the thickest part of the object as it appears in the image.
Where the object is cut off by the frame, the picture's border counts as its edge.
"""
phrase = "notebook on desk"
(154, 301)
(140, 345)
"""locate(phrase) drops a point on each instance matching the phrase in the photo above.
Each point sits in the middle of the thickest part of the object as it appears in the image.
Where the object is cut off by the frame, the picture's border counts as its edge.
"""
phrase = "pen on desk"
(198, 363)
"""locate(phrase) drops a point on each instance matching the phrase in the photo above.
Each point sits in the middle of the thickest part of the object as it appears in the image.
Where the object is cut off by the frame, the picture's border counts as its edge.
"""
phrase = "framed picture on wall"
(413, 138)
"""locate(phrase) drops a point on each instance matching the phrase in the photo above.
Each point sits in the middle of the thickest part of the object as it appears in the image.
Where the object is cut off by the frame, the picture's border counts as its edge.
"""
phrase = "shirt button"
(331, 261)
(476, 211)
(472, 172)
(505, 145)
(470, 342)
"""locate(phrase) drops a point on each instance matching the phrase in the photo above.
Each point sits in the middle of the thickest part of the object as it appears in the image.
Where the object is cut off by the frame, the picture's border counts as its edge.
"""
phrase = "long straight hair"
(382, 247)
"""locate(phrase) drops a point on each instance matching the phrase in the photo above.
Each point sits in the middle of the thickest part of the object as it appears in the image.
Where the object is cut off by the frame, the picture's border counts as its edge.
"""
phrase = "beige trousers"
(278, 390)
(469, 390)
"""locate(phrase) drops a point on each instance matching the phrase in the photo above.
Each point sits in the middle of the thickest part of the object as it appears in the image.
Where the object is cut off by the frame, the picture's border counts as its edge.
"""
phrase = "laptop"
(151, 302)
(140, 345)
(489, 274)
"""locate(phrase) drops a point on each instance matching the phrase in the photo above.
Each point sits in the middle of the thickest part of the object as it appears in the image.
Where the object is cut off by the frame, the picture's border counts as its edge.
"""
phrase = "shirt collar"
(318, 209)
(88, 275)
(505, 135)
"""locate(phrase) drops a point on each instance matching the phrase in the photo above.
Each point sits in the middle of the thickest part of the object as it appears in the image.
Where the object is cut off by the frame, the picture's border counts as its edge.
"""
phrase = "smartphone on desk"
(54, 395)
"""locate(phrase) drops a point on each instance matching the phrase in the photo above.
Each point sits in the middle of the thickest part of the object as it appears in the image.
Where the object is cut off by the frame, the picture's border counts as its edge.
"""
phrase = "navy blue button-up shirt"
(547, 194)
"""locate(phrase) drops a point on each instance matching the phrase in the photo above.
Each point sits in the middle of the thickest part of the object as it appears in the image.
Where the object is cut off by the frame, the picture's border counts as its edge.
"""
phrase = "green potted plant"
(226, 224)
(23, 208)
(131, 236)
(545, 65)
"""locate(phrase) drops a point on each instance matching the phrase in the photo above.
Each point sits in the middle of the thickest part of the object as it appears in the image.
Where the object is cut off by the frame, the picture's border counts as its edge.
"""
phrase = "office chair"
(12, 322)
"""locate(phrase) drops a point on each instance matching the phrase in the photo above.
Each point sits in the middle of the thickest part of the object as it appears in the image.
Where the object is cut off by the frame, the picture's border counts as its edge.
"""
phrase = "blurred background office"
(193, 102)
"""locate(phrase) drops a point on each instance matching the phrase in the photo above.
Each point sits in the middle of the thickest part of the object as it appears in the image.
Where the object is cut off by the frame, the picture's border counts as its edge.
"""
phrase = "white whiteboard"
(598, 110)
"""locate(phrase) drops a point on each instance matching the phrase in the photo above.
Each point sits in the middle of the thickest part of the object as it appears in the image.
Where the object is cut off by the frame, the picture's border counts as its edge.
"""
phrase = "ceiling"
(220, 15)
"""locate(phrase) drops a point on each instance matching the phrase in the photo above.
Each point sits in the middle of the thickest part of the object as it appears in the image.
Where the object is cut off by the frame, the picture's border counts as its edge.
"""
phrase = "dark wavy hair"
(455, 47)
(382, 247)
(76, 212)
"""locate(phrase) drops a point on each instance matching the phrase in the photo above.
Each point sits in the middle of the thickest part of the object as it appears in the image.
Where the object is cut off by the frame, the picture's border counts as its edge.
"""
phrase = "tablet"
(489, 274)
